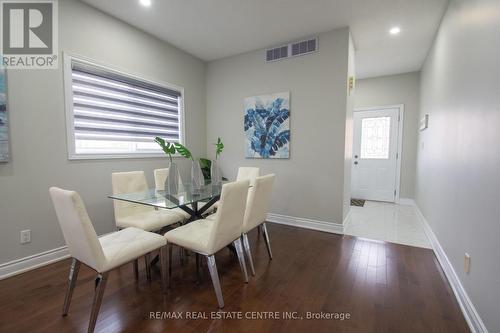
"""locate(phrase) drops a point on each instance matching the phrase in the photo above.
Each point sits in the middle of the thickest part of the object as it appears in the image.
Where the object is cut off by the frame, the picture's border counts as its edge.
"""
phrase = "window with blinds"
(114, 115)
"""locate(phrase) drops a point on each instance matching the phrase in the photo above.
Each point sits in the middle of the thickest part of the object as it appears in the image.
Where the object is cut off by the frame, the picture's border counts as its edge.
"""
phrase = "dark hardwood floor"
(383, 287)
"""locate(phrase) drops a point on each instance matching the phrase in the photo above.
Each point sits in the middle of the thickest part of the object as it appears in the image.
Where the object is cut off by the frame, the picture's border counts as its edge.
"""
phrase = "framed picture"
(267, 126)
(4, 123)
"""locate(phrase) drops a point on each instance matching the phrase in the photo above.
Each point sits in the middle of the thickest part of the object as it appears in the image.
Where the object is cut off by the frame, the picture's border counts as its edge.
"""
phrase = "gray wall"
(38, 131)
(458, 182)
(310, 183)
(390, 90)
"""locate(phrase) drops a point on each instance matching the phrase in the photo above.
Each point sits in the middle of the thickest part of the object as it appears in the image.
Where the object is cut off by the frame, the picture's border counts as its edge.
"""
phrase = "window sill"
(76, 157)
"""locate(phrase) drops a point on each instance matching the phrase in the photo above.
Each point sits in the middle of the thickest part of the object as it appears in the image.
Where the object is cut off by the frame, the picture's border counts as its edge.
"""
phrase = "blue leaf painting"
(267, 126)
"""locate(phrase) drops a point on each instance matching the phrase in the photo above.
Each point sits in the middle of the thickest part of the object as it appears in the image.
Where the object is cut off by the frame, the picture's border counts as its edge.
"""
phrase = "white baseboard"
(25, 264)
(407, 201)
(475, 323)
(300, 222)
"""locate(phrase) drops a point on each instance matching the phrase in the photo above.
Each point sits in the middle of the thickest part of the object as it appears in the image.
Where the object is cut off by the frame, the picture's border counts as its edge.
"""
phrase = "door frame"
(399, 151)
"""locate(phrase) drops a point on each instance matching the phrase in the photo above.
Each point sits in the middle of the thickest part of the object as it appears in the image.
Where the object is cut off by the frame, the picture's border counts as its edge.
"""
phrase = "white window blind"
(116, 114)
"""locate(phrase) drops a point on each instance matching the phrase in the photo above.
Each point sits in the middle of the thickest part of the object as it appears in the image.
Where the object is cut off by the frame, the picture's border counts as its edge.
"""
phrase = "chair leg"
(96, 305)
(241, 258)
(136, 269)
(73, 274)
(163, 263)
(246, 246)
(147, 259)
(266, 238)
(212, 267)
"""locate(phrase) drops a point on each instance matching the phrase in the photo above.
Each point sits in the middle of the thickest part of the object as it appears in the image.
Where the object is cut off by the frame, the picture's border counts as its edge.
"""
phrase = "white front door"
(375, 149)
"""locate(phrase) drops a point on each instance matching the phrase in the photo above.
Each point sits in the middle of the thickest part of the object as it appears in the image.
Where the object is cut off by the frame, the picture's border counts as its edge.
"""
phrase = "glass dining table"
(187, 198)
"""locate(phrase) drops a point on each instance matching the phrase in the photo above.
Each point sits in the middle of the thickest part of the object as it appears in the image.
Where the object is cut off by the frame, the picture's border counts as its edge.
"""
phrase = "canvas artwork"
(267, 126)
(4, 130)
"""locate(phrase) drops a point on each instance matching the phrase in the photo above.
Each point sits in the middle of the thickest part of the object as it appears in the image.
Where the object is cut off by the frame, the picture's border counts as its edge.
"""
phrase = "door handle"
(356, 162)
(355, 156)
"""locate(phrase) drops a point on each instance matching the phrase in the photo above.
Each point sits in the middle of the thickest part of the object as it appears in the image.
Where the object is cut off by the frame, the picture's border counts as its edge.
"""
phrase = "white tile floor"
(387, 222)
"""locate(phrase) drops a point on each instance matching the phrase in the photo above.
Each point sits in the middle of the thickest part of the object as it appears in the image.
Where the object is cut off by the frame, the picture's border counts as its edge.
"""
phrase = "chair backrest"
(249, 173)
(77, 228)
(229, 216)
(160, 178)
(258, 202)
(128, 182)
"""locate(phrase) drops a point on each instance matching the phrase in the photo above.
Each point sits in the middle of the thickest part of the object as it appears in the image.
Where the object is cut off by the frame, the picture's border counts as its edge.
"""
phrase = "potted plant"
(215, 174)
(197, 179)
(172, 180)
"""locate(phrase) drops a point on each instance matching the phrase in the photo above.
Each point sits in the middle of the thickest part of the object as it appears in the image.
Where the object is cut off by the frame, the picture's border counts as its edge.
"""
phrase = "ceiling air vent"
(303, 47)
(292, 49)
(277, 53)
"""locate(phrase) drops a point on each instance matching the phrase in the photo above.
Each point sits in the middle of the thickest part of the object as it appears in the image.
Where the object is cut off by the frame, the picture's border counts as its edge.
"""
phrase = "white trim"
(300, 222)
(29, 263)
(407, 202)
(475, 323)
(68, 103)
(401, 108)
(25, 264)
(347, 219)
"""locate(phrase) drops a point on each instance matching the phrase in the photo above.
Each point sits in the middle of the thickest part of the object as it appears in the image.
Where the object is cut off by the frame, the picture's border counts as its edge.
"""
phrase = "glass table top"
(186, 195)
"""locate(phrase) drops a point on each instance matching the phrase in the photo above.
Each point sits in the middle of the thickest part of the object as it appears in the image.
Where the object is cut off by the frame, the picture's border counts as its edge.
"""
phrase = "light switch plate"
(25, 236)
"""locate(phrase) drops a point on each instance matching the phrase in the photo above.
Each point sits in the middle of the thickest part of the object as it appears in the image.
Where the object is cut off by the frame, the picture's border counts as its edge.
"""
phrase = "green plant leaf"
(181, 149)
(167, 147)
(205, 168)
(219, 147)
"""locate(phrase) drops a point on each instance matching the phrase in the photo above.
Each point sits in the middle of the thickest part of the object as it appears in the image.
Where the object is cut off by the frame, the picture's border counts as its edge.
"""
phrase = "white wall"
(351, 95)
(310, 183)
(390, 90)
(38, 132)
(458, 182)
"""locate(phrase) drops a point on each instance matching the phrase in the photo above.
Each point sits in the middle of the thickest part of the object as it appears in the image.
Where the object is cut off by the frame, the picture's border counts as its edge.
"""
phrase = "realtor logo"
(29, 34)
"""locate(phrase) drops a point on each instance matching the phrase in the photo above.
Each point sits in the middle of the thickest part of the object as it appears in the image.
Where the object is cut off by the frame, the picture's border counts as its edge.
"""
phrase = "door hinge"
(397, 155)
(394, 192)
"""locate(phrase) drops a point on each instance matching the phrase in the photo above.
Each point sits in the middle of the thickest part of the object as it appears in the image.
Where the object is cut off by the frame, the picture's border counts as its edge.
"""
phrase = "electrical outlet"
(25, 236)
(467, 263)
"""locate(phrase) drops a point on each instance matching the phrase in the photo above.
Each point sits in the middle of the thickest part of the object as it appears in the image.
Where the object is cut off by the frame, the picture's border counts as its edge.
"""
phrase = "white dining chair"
(258, 202)
(161, 175)
(208, 236)
(129, 214)
(250, 173)
(244, 173)
(101, 254)
(143, 217)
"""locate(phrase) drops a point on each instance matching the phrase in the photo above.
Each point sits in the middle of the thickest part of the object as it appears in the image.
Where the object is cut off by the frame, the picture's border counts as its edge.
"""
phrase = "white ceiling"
(213, 29)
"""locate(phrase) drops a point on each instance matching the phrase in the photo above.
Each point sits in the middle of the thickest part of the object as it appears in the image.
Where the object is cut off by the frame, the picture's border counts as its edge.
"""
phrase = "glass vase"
(172, 180)
(197, 179)
(215, 174)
